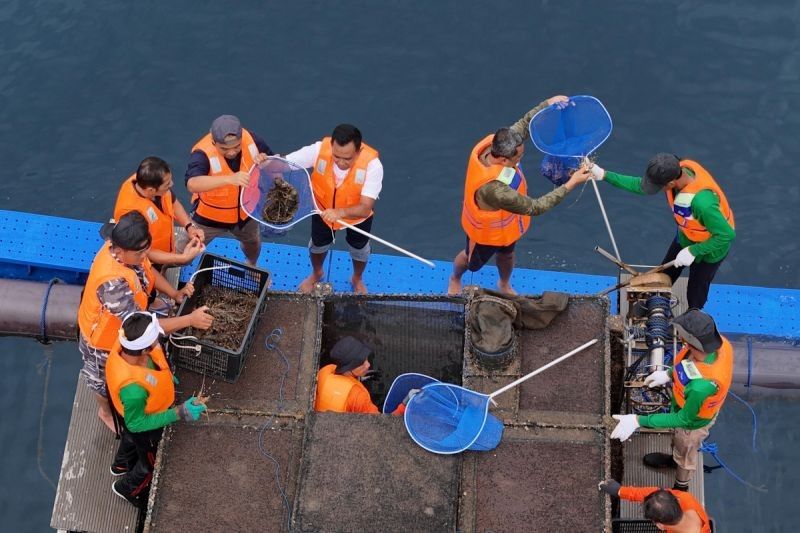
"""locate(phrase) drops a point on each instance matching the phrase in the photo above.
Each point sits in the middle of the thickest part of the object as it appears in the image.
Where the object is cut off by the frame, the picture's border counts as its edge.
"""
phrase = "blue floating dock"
(40, 247)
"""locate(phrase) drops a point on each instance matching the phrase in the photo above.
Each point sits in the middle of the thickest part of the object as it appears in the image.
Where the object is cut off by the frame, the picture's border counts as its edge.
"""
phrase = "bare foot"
(308, 284)
(506, 288)
(358, 285)
(107, 418)
(454, 286)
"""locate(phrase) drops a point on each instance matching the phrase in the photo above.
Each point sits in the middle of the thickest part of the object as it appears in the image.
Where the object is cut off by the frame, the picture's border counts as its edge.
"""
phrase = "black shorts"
(480, 254)
(322, 235)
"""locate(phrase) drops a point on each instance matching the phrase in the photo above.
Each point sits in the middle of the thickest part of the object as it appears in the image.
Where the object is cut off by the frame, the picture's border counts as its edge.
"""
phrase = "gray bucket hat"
(698, 329)
(349, 353)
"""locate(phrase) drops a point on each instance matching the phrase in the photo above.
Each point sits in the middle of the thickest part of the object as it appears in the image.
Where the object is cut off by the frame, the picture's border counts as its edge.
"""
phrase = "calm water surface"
(88, 89)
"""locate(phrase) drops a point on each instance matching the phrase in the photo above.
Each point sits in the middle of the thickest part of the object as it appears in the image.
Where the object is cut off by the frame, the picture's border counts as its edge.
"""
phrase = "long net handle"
(386, 243)
(620, 264)
(605, 218)
(542, 368)
(628, 282)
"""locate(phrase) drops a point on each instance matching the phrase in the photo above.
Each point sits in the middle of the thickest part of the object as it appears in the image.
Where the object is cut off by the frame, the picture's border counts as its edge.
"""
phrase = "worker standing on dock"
(705, 221)
(149, 191)
(340, 387)
(346, 179)
(142, 390)
(496, 211)
(670, 510)
(120, 280)
(218, 169)
(701, 376)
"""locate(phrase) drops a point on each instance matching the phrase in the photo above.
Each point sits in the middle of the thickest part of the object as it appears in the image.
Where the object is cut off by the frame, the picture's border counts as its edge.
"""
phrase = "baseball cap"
(349, 353)
(225, 125)
(661, 169)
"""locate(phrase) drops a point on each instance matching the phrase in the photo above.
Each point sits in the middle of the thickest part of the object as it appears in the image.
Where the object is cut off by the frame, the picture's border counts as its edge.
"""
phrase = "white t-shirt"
(307, 156)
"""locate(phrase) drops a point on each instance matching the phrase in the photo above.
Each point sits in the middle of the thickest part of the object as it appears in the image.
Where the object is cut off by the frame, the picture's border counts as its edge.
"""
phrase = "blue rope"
(753, 412)
(749, 361)
(271, 343)
(711, 448)
(42, 315)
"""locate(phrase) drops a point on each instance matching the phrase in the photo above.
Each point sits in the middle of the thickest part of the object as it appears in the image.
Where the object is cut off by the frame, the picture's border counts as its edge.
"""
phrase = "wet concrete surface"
(364, 473)
(577, 384)
(213, 478)
(258, 386)
(536, 480)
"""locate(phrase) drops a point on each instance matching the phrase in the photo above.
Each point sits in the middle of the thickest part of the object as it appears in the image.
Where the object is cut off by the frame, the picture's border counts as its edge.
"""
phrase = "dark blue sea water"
(87, 89)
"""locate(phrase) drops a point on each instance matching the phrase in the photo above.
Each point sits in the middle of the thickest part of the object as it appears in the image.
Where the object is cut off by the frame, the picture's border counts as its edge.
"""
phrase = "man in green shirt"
(704, 218)
(141, 390)
(497, 209)
(700, 378)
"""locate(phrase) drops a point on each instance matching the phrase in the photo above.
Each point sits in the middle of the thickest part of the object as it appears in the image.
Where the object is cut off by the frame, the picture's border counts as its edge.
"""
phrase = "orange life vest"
(681, 204)
(333, 390)
(348, 194)
(160, 220)
(157, 382)
(97, 324)
(222, 204)
(720, 372)
(498, 227)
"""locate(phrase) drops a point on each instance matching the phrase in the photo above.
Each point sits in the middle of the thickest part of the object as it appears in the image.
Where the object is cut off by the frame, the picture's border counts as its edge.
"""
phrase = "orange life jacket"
(720, 372)
(160, 220)
(157, 382)
(97, 324)
(348, 194)
(332, 390)
(686, 501)
(681, 204)
(499, 227)
(222, 204)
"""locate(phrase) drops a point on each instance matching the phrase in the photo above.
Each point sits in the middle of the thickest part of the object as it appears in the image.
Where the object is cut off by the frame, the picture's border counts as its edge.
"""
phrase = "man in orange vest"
(706, 227)
(346, 179)
(120, 281)
(218, 169)
(701, 376)
(670, 510)
(497, 211)
(149, 192)
(141, 389)
(340, 387)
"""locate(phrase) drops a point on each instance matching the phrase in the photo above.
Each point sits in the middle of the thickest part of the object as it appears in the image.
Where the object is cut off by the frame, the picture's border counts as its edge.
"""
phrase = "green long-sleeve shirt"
(705, 209)
(695, 392)
(134, 399)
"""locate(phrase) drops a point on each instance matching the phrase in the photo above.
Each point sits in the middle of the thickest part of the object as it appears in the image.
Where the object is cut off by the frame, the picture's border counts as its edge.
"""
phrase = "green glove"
(189, 411)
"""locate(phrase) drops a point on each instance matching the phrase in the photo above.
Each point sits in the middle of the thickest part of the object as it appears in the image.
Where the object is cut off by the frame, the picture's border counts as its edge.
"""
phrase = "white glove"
(657, 378)
(684, 258)
(598, 172)
(627, 425)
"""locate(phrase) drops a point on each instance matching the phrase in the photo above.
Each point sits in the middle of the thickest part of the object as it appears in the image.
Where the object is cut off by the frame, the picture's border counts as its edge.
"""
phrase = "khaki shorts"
(686, 445)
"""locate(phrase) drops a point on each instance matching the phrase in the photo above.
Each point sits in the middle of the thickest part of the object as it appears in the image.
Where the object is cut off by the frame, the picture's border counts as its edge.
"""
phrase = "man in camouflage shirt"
(504, 196)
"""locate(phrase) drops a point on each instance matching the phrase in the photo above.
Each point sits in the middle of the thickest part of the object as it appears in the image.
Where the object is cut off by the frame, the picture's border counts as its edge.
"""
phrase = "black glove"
(371, 375)
(610, 487)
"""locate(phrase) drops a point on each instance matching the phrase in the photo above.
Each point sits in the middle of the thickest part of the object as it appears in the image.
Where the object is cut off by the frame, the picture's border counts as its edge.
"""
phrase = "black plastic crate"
(214, 360)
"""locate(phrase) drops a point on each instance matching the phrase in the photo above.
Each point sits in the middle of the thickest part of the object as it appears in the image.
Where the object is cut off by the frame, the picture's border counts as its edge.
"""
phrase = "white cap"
(147, 338)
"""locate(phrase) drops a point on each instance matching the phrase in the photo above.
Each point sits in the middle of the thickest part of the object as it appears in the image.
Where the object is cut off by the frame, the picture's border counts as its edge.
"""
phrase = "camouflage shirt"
(497, 195)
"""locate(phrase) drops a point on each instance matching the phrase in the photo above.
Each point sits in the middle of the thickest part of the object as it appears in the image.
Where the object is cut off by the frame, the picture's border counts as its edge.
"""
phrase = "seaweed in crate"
(232, 311)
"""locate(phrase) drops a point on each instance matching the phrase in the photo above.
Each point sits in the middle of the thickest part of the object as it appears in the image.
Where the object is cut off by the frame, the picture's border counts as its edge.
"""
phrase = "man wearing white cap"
(141, 388)
(700, 379)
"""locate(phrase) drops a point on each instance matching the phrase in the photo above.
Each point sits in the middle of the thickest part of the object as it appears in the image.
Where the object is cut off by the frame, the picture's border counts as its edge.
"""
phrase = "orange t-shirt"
(685, 500)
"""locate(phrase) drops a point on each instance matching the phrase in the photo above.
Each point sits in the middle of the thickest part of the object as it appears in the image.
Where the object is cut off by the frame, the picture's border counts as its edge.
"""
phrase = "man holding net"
(218, 169)
(496, 211)
(346, 179)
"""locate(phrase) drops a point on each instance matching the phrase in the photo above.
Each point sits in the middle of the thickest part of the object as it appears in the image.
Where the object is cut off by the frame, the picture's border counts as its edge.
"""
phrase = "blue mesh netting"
(447, 419)
(575, 129)
(265, 199)
(558, 169)
(401, 385)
